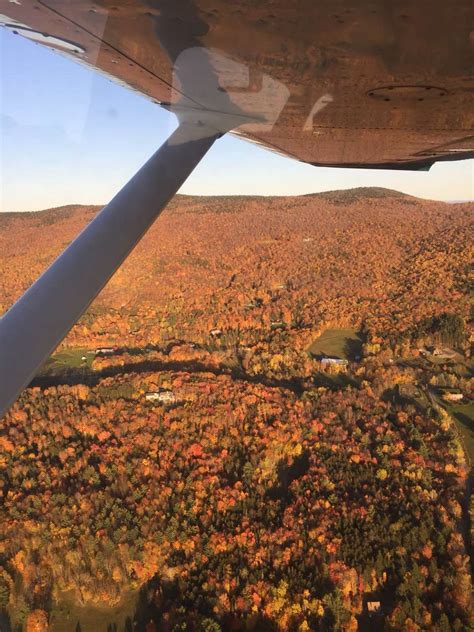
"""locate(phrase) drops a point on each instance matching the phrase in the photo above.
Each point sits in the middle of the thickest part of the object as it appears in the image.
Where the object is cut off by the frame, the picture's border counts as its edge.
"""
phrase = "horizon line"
(254, 195)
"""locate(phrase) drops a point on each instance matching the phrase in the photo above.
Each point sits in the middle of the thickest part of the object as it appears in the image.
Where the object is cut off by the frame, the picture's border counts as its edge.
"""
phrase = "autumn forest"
(263, 423)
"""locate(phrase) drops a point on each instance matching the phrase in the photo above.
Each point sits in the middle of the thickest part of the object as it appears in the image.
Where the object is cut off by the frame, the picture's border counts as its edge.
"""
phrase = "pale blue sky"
(69, 135)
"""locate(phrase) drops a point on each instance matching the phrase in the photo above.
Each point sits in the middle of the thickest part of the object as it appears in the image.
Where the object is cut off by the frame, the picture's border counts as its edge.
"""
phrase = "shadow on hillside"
(353, 348)
(286, 475)
(75, 376)
(465, 420)
(72, 377)
(5, 625)
(333, 381)
(157, 610)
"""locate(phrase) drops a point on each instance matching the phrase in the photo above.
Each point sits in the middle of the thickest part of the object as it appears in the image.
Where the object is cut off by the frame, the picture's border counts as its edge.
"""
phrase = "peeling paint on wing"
(41, 38)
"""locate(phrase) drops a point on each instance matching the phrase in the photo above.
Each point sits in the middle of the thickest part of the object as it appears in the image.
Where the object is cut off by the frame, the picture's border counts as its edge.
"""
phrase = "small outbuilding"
(452, 397)
(277, 324)
(374, 607)
(105, 351)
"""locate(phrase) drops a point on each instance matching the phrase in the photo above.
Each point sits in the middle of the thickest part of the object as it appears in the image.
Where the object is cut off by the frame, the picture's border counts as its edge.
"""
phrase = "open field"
(463, 414)
(342, 343)
(70, 616)
(66, 360)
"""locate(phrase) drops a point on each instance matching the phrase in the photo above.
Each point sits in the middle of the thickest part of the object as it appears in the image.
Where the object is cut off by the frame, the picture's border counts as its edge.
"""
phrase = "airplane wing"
(367, 83)
(360, 83)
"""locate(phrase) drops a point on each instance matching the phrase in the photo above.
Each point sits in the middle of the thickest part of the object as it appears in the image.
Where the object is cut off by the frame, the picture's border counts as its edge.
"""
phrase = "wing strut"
(41, 318)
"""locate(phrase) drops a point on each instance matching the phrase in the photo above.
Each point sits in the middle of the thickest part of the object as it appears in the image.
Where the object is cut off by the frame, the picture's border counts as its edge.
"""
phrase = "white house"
(164, 397)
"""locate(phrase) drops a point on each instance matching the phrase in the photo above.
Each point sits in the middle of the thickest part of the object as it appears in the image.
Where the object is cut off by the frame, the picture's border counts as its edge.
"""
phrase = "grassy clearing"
(342, 343)
(463, 414)
(68, 616)
(67, 360)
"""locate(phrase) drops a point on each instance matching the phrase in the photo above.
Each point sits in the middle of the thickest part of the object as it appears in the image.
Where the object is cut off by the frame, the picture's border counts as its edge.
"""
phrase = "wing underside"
(359, 84)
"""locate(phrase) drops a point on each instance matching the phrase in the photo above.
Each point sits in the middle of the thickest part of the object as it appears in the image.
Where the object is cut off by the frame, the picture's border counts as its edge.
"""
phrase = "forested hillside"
(251, 427)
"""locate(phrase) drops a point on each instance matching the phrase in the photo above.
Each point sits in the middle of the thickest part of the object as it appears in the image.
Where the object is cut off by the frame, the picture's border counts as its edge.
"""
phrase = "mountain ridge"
(337, 195)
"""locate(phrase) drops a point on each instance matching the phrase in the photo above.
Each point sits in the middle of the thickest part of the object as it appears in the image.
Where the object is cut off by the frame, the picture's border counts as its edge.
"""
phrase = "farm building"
(334, 362)
(163, 397)
(452, 397)
(105, 351)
